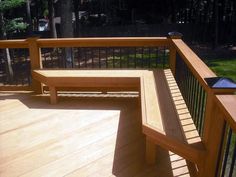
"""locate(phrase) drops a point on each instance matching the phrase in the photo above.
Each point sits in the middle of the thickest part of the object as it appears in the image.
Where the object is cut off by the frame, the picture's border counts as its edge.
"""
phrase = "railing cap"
(221, 82)
(175, 35)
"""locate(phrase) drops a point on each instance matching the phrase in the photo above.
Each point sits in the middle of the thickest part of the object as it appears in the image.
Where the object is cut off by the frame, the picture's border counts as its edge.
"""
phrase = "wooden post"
(35, 60)
(172, 56)
(213, 130)
(53, 95)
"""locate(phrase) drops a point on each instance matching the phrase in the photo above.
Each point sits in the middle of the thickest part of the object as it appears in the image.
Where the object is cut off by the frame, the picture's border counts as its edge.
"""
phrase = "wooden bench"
(162, 122)
(98, 80)
(166, 120)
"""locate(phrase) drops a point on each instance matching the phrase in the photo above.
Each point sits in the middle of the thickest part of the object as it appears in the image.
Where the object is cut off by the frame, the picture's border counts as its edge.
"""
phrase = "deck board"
(80, 136)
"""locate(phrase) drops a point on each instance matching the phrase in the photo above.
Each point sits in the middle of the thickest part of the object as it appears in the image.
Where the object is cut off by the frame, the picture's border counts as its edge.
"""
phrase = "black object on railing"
(175, 35)
(221, 83)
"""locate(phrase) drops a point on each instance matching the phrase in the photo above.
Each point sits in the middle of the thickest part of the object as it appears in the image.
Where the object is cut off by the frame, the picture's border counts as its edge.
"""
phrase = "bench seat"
(100, 80)
(162, 123)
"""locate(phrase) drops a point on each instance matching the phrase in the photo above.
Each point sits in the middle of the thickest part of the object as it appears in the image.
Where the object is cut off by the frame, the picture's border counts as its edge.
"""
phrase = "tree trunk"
(233, 24)
(206, 21)
(67, 28)
(216, 24)
(9, 71)
(36, 21)
(76, 10)
(29, 20)
(51, 19)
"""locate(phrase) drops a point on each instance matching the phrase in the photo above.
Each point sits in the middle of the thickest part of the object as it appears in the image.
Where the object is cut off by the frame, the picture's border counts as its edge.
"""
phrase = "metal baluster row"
(226, 166)
(193, 93)
(101, 57)
(20, 65)
(108, 57)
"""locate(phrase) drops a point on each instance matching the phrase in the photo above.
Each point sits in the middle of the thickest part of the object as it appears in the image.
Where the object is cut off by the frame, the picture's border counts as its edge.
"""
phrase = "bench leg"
(150, 151)
(53, 95)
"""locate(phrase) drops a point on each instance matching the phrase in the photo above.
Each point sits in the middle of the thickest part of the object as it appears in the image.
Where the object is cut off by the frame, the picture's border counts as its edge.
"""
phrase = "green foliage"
(224, 67)
(10, 4)
(15, 25)
(45, 13)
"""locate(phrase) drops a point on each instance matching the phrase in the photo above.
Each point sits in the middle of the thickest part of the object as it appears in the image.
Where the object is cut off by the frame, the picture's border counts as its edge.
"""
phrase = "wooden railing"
(93, 53)
(212, 110)
(226, 165)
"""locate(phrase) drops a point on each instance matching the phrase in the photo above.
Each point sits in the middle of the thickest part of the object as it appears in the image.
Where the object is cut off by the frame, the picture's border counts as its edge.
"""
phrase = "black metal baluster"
(85, 56)
(219, 158)
(203, 110)
(92, 57)
(233, 161)
(72, 55)
(149, 57)
(113, 57)
(200, 108)
(163, 57)
(157, 56)
(226, 153)
(120, 52)
(128, 58)
(190, 93)
(188, 87)
(106, 57)
(79, 55)
(194, 102)
(99, 57)
(142, 57)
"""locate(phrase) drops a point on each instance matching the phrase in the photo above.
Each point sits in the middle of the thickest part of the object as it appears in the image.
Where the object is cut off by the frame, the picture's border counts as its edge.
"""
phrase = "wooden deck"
(89, 135)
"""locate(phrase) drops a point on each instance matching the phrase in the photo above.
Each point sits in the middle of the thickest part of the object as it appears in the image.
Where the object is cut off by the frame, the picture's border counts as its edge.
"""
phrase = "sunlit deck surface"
(82, 135)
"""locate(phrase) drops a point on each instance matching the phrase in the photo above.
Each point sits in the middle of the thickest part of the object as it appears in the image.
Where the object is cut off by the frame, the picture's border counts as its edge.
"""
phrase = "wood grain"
(76, 137)
(227, 104)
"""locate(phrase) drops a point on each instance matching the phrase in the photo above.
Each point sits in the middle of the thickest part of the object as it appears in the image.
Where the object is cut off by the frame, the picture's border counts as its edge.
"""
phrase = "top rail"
(103, 42)
(88, 42)
(195, 64)
(19, 43)
(227, 105)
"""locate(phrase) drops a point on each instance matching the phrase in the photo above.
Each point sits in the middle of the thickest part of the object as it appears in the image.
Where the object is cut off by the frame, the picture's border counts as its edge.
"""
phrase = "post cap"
(175, 35)
(221, 83)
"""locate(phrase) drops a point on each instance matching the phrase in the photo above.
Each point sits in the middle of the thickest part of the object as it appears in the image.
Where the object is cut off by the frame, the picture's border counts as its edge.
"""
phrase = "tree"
(67, 28)
(29, 20)
(76, 11)
(51, 19)
(216, 23)
(5, 6)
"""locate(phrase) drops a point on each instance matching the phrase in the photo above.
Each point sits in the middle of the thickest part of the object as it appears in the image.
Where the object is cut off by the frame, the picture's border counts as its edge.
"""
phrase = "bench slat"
(151, 103)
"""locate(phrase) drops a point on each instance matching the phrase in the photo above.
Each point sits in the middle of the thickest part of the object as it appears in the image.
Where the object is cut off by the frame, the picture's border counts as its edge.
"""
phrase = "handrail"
(218, 108)
(194, 63)
(103, 42)
(88, 42)
(18, 43)
(227, 104)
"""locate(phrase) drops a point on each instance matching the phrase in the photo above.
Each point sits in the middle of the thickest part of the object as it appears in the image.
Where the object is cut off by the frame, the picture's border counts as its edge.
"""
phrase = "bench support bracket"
(150, 151)
(53, 95)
